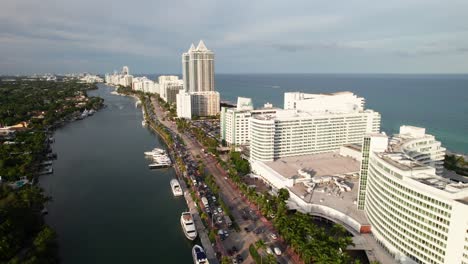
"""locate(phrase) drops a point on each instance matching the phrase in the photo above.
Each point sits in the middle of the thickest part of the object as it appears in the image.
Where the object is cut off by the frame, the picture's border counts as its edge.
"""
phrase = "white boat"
(188, 225)
(199, 255)
(176, 189)
(155, 151)
(159, 165)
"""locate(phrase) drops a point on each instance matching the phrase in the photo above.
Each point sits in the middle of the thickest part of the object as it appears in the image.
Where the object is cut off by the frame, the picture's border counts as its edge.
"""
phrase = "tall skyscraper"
(198, 75)
(198, 69)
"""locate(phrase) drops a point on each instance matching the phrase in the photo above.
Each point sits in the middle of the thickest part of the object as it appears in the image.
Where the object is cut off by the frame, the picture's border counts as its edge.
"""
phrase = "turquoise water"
(437, 102)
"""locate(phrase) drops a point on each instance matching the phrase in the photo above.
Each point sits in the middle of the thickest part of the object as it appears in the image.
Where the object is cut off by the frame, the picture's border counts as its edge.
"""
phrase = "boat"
(159, 165)
(155, 151)
(186, 220)
(199, 255)
(176, 189)
(46, 170)
(143, 123)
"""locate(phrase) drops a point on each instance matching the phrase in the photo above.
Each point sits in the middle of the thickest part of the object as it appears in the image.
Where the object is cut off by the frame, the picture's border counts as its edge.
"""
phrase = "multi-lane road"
(232, 198)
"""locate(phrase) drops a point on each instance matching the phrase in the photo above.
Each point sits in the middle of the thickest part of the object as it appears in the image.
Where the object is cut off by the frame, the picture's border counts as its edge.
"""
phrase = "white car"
(277, 251)
(269, 251)
(273, 236)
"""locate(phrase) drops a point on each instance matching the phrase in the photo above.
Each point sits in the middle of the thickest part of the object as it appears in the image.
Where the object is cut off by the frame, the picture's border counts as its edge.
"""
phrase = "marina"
(149, 218)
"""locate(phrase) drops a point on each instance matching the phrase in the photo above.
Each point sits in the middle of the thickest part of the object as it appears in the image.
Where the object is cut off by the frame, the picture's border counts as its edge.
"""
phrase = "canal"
(108, 207)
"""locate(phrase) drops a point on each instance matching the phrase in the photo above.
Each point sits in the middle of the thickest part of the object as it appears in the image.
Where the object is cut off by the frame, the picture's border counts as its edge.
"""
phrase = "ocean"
(437, 102)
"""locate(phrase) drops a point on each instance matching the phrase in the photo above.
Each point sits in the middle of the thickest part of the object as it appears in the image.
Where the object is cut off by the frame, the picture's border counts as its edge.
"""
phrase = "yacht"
(188, 225)
(155, 151)
(199, 256)
(176, 189)
(159, 165)
(143, 123)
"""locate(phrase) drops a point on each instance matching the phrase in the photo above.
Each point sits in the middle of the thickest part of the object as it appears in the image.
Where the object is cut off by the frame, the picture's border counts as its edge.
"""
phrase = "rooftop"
(324, 164)
(329, 195)
(402, 161)
(426, 175)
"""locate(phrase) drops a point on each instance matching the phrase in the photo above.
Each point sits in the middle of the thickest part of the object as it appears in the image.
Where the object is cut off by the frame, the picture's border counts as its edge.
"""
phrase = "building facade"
(340, 102)
(420, 146)
(123, 78)
(417, 216)
(205, 103)
(198, 69)
(292, 132)
(168, 82)
(198, 81)
(184, 105)
(235, 122)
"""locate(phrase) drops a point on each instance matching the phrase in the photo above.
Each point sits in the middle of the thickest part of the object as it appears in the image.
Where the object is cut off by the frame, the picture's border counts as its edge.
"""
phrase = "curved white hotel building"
(417, 216)
(420, 146)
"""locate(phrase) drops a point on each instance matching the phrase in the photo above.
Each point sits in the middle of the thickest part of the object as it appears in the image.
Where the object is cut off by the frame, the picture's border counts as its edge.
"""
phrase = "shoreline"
(191, 204)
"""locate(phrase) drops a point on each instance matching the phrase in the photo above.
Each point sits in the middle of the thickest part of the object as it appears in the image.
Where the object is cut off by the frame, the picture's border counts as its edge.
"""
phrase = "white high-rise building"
(341, 102)
(168, 82)
(198, 78)
(205, 103)
(422, 147)
(125, 70)
(297, 131)
(234, 122)
(198, 69)
(417, 216)
(184, 105)
(123, 79)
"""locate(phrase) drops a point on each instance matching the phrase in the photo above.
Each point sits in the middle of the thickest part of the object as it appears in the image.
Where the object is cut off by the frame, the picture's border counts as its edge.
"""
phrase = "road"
(230, 195)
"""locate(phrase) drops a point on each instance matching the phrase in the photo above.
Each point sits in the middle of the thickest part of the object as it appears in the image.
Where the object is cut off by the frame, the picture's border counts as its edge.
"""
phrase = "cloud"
(100, 35)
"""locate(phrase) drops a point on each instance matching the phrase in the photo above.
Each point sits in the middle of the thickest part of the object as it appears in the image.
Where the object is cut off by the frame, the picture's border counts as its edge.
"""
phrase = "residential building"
(234, 122)
(123, 78)
(205, 103)
(198, 69)
(184, 105)
(198, 81)
(418, 216)
(168, 82)
(171, 91)
(420, 146)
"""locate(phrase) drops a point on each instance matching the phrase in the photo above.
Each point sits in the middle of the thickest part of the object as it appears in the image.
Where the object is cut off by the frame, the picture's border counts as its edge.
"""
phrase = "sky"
(347, 36)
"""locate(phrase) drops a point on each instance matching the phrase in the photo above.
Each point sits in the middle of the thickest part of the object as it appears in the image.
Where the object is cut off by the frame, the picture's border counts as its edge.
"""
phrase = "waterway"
(108, 207)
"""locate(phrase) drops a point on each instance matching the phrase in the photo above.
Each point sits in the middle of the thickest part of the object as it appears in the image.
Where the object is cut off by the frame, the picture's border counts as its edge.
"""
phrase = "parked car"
(273, 236)
(277, 251)
(269, 251)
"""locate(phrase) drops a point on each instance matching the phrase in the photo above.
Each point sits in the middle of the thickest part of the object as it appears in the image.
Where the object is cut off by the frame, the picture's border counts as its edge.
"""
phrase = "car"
(220, 210)
(273, 236)
(234, 249)
(239, 258)
(246, 229)
(277, 251)
(269, 251)
(234, 261)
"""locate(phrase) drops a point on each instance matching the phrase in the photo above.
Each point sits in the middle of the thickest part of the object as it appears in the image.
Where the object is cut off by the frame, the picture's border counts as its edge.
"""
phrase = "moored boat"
(186, 220)
(176, 189)
(199, 255)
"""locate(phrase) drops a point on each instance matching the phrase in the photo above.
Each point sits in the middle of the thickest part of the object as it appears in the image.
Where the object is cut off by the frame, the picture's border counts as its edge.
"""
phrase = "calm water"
(437, 102)
(108, 207)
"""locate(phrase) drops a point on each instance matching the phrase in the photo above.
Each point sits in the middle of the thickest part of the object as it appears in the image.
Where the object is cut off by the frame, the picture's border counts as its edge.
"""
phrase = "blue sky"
(398, 36)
